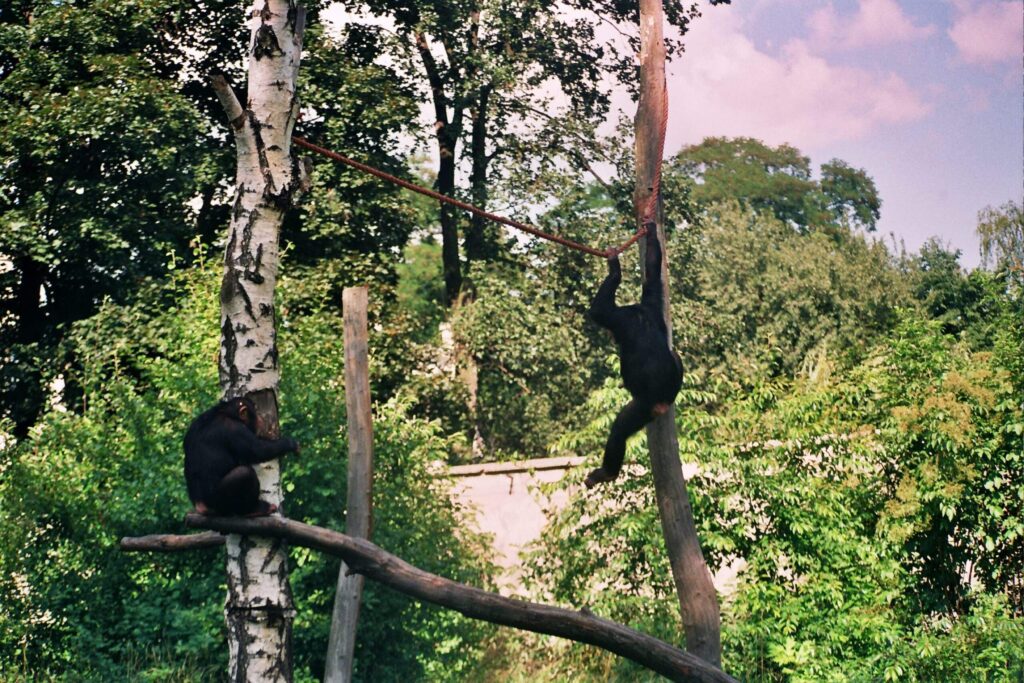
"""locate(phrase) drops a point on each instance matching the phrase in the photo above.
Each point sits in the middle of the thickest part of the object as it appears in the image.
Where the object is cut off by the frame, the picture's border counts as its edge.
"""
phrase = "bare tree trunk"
(259, 608)
(447, 135)
(478, 246)
(359, 504)
(698, 602)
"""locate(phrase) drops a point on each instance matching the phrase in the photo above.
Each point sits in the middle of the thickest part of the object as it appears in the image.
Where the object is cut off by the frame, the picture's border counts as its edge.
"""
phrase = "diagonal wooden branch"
(363, 557)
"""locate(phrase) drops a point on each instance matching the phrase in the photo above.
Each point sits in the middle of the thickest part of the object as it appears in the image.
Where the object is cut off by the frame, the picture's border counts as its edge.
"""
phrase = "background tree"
(488, 71)
(778, 179)
(1002, 237)
(92, 193)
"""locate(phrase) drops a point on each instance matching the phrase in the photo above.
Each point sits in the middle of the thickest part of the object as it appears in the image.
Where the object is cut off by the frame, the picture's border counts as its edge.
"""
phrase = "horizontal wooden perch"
(367, 559)
(171, 543)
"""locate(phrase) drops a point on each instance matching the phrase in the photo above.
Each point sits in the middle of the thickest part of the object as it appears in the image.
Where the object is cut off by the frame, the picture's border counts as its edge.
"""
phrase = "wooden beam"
(371, 561)
(359, 506)
(698, 601)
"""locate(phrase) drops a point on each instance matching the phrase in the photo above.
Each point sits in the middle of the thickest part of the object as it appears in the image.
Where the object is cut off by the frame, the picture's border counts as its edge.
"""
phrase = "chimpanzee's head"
(243, 410)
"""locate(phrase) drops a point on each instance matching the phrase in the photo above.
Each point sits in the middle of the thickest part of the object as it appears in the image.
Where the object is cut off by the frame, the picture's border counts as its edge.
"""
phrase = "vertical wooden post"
(698, 602)
(358, 511)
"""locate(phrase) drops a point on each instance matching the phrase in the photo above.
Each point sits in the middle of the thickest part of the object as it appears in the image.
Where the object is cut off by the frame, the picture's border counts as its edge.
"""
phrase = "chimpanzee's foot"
(598, 476)
(202, 509)
(263, 508)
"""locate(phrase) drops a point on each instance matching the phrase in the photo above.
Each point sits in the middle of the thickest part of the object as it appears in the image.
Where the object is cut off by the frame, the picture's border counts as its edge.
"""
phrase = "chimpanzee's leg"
(630, 419)
(239, 494)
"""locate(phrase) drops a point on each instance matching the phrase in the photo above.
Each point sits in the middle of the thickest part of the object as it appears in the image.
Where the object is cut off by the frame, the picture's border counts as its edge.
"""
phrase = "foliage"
(85, 479)
(366, 110)
(770, 302)
(779, 180)
(533, 367)
(1002, 238)
(92, 193)
(875, 517)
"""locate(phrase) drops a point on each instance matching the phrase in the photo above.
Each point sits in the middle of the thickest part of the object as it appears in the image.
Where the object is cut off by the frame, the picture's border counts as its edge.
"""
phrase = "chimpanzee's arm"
(652, 295)
(602, 308)
(251, 449)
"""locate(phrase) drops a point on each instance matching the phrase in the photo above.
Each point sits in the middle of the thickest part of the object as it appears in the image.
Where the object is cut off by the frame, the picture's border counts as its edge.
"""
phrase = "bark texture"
(582, 626)
(698, 601)
(259, 608)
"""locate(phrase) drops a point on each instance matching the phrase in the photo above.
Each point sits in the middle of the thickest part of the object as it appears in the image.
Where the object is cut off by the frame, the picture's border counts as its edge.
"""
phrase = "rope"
(302, 142)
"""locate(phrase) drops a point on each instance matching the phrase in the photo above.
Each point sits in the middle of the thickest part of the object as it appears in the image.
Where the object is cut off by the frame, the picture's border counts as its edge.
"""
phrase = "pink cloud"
(990, 32)
(725, 85)
(876, 22)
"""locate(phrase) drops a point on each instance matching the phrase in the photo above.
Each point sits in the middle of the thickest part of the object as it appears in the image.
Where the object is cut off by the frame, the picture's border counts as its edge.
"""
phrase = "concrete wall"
(508, 504)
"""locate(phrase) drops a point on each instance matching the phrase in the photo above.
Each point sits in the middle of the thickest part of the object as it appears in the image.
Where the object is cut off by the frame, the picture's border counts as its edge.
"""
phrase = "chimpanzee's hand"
(614, 268)
(294, 447)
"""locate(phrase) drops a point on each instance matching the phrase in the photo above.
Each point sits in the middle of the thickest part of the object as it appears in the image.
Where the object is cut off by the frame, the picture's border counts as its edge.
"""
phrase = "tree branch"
(228, 100)
(369, 560)
(171, 543)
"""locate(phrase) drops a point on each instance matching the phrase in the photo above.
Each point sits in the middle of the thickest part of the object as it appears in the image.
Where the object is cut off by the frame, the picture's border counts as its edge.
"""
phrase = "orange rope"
(302, 142)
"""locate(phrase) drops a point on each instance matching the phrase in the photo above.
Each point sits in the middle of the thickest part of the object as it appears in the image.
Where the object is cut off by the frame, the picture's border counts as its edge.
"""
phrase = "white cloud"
(876, 22)
(725, 85)
(989, 32)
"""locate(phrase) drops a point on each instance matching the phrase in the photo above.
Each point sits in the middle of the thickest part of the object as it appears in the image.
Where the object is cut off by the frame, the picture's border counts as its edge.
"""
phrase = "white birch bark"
(259, 608)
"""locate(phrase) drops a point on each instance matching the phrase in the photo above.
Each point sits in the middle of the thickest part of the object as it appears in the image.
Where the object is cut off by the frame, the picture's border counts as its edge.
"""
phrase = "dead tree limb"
(365, 558)
(171, 543)
(698, 602)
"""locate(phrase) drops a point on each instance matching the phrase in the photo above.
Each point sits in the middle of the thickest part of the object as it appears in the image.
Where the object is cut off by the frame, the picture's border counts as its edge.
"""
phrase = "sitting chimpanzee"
(220, 448)
(651, 369)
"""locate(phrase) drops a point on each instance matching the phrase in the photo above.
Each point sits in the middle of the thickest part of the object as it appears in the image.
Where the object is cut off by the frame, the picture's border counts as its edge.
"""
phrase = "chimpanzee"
(220, 448)
(651, 369)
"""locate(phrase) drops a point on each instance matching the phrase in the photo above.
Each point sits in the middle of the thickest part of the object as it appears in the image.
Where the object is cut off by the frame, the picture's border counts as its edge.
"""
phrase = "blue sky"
(926, 95)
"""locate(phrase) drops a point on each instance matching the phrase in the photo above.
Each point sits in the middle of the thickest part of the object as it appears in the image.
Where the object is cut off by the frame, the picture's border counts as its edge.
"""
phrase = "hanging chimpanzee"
(651, 369)
(220, 448)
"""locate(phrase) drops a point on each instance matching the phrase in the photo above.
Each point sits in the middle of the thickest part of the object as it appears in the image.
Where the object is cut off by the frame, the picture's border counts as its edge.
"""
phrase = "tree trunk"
(28, 397)
(450, 265)
(259, 608)
(477, 244)
(698, 602)
(447, 135)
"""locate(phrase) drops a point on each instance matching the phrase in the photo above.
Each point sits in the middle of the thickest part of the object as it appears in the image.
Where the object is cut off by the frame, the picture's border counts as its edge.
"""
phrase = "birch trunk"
(698, 601)
(259, 608)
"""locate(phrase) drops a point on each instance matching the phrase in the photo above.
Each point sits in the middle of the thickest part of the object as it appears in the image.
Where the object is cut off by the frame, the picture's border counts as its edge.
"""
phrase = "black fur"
(220, 448)
(651, 369)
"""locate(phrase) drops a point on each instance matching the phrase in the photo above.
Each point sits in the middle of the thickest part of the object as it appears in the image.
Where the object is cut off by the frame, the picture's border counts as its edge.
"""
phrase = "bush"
(74, 607)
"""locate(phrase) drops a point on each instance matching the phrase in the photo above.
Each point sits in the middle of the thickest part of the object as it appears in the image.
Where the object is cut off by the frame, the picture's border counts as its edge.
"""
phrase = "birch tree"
(259, 609)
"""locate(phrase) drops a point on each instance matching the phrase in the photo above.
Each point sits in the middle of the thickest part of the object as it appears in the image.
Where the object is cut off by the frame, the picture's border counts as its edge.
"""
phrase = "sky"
(926, 95)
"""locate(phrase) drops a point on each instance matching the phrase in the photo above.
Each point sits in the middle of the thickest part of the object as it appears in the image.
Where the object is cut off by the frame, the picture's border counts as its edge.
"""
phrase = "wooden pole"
(698, 602)
(582, 626)
(358, 511)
